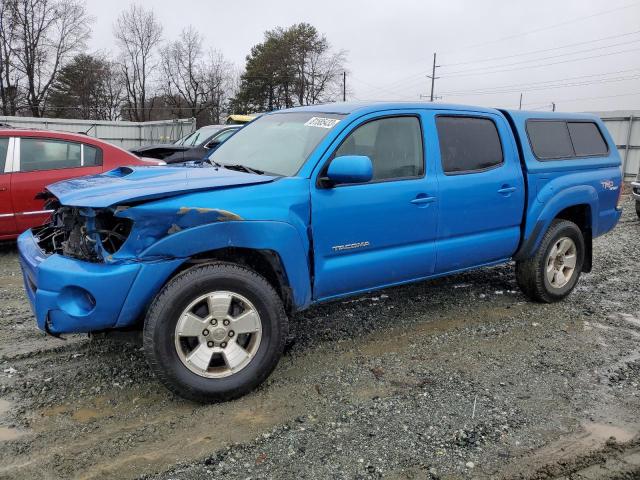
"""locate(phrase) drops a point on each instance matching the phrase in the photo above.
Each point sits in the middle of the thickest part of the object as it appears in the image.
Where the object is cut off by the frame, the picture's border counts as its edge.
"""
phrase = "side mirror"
(212, 144)
(350, 169)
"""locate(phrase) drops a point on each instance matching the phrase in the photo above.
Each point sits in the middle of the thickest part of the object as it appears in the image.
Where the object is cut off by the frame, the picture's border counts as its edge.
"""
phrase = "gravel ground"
(455, 378)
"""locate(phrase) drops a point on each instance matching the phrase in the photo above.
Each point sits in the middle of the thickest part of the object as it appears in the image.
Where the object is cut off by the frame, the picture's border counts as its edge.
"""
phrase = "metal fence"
(624, 126)
(123, 134)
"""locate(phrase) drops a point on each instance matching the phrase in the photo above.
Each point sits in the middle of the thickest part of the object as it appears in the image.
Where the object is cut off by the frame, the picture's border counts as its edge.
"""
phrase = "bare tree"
(195, 83)
(138, 34)
(113, 92)
(182, 69)
(9, 75)
(221, 78)
(48, 32)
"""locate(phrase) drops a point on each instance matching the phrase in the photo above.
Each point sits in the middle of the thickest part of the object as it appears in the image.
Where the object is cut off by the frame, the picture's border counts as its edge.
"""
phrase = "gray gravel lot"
(454, 378)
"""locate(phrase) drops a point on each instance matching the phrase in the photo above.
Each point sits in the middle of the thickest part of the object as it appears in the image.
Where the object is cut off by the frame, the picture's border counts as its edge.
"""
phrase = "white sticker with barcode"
(321, 122)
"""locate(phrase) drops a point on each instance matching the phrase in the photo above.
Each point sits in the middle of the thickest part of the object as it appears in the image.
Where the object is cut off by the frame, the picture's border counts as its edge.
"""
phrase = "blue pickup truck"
(313, 204)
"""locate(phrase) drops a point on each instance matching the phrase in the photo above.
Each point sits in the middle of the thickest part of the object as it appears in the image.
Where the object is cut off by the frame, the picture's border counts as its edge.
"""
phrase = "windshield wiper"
(242, 168)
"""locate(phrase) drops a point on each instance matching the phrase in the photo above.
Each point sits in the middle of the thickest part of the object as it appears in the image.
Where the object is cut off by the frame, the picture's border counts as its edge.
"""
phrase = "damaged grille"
(83, 233)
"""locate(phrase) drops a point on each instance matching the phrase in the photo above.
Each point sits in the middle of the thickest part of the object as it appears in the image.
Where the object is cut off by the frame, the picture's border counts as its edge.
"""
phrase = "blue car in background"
(312, 204)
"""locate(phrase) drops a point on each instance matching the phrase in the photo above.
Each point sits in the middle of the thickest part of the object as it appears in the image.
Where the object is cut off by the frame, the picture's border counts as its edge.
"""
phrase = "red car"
(32, 159)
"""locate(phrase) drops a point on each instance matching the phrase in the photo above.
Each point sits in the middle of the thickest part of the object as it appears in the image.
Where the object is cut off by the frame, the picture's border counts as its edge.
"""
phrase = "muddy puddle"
(7, 433)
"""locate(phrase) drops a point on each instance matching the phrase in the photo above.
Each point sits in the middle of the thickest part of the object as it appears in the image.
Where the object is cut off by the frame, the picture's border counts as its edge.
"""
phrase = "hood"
(131, 184)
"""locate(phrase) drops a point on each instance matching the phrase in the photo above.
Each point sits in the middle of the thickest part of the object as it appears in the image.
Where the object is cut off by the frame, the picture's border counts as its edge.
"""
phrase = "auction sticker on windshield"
(322, 122)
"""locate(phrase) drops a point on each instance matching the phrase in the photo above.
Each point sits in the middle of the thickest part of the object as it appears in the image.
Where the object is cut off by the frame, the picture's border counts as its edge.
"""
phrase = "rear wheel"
(215, 332)
(555, 269)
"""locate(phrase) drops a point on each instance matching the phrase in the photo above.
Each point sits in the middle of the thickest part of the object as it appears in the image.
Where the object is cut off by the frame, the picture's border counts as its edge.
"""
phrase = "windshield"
(278, 143)
(197, 137)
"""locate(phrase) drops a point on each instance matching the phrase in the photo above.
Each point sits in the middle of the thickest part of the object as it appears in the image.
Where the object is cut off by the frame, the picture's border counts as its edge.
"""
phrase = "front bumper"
(69, 295)
(635, 190)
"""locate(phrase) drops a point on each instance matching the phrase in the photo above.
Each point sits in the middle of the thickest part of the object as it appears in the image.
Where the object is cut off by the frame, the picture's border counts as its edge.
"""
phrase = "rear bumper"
(69, 295)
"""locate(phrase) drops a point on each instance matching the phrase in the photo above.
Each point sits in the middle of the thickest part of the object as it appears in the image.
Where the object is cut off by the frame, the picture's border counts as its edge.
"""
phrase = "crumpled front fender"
(279, 237)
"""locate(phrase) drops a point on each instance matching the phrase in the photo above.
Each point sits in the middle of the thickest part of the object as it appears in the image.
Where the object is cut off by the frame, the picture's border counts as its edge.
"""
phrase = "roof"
(36, 132)
(523, 115)
(346, 108)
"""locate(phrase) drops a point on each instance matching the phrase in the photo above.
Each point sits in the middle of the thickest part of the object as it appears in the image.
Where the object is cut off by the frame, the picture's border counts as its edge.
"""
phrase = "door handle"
(507, 189)
(423, 200)
(3, 189)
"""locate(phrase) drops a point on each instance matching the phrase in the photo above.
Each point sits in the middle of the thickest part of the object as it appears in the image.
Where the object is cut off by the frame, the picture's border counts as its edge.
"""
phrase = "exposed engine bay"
(83, 233)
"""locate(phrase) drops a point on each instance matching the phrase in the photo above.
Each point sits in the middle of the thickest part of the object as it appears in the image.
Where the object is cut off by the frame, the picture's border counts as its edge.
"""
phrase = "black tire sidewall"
(569, 230)
(178, 294)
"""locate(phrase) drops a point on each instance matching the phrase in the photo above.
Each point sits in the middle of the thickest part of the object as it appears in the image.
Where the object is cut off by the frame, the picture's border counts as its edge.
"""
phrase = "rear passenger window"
(92, 156)
(393, 144)
(44, 154)
(559, 139)
(587, 139)
(4, 147)
(468, 144)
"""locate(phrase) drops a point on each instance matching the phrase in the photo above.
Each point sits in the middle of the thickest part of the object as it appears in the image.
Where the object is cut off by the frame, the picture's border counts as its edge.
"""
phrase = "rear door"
(481, 190)
(40, 162)
(7, 217)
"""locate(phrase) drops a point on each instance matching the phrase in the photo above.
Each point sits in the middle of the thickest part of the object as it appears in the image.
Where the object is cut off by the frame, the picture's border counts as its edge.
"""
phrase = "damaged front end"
(87, 234)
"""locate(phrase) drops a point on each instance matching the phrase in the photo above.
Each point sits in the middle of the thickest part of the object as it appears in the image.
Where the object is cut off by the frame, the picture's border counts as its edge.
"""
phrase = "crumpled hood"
(129, 184)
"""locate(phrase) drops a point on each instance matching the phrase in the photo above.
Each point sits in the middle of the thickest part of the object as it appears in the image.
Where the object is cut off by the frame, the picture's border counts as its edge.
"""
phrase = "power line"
(549, 27)
(528, 84)
(630, 94)
(543, 64)
(545, 58)
(415, 78)
(545, 87)
(531, 52)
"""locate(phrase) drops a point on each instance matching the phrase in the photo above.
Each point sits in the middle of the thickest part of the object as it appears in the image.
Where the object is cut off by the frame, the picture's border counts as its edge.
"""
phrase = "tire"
(165, 345)
(638, 208)
(532, 274)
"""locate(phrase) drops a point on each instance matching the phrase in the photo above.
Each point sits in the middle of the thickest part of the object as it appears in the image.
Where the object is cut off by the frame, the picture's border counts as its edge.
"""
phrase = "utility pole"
(433, 76)
(520, 108)
(344, 86)
(553, 106)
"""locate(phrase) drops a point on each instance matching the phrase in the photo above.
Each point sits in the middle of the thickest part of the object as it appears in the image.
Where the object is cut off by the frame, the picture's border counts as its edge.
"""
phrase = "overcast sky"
(390, 45)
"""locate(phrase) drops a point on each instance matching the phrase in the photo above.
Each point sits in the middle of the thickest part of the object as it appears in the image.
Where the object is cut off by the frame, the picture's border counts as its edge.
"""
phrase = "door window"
(393, 144)
(91, 156)
(4, 147)
(45, 154)
(468, 144)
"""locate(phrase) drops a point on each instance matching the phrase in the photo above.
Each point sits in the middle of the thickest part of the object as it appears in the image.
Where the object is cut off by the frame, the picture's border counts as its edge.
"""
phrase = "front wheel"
(215, 332)
(555, 269)
(638, 208)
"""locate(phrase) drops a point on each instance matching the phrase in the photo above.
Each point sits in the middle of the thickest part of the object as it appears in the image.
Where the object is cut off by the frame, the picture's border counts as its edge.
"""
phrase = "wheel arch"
(265, 262)
(577, 204)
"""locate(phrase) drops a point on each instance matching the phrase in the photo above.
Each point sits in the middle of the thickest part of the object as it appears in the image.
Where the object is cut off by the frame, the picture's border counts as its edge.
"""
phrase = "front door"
(7, 217)
(382, 232)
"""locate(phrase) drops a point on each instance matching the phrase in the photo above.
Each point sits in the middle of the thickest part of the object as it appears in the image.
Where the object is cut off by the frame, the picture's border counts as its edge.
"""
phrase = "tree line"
(46, 69)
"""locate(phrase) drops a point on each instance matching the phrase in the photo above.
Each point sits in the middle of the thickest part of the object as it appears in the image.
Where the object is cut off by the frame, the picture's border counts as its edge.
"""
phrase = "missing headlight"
(82, 233)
